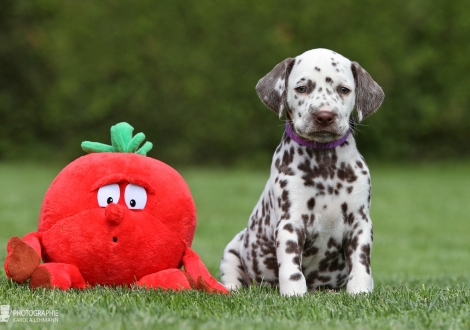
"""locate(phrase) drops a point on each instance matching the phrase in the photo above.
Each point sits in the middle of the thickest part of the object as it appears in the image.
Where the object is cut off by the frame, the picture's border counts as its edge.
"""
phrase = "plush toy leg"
(197, 270)
(22, 258)
(57, 275)
(174, 279)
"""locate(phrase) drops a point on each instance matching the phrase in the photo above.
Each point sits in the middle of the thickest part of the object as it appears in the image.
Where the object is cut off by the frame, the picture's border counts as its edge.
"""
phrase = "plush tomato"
(113, 217)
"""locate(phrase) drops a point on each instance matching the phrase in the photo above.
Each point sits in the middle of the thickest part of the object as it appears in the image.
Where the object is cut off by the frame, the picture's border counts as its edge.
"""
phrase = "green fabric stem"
(121, 141)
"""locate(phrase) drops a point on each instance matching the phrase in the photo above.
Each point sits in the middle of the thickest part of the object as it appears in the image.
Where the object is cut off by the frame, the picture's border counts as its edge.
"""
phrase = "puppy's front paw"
(360, 285)
(232, 286)
(295, 285)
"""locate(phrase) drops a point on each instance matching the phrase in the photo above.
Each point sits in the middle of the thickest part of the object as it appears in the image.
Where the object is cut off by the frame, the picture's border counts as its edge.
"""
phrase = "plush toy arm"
(197, 270)
(24, 256)
(174, 279)
(33, 240)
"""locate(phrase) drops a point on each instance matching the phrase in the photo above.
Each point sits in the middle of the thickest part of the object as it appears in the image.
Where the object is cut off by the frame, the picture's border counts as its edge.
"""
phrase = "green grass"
(420, 261)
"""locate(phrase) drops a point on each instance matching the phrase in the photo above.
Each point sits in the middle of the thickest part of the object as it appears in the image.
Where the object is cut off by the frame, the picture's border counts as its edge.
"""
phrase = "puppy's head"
(320, 89)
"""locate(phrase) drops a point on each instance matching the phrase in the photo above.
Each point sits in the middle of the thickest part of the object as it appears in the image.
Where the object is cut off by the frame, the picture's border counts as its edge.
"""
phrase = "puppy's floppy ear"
(369, 95)
(272, 88)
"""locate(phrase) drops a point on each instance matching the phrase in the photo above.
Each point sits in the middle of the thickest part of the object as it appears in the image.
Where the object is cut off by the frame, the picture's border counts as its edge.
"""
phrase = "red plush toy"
(113, 217)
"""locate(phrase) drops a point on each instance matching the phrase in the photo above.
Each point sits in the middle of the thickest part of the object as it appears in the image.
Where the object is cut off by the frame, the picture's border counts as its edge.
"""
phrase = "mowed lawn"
(420, 259)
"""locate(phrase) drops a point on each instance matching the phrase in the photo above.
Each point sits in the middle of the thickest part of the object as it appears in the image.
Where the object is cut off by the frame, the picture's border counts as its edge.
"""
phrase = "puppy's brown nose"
(324, 118)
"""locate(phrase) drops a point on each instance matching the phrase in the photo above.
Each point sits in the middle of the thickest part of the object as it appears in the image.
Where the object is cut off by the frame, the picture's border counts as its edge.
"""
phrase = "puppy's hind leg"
(232, 272)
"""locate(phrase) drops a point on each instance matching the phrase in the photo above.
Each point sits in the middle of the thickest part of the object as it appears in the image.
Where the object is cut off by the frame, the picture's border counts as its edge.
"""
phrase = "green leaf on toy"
(121, 141)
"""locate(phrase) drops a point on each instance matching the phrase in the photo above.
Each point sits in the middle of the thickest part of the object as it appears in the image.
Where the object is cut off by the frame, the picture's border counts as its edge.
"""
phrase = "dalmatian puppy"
(311, 228)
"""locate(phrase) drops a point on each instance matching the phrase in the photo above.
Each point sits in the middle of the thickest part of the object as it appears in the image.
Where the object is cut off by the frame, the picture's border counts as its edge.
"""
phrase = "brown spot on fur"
(309, 248)
(311, 203)
(346, 173)
(283, 167)
(347, 218)
(289, 227)
(312, 276)
(365, 257)
(295, 277)
(363, 214)
(234, 252)
(285, 205)
(341, 279)
(332, 243)
(351, 246)
(308, 220)
(288, 156)
(310, 86)
(324, 167)
(292, 247)
(296, 260)
(300, 238)
(304, 218)
(254, 256)
(271, 263)
(324, 278)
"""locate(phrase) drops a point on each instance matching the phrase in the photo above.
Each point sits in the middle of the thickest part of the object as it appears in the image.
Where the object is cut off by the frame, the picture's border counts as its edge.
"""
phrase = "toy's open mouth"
(114, 239)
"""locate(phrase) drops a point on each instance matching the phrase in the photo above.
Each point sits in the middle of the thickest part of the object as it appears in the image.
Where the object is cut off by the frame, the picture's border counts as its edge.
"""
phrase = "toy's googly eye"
(135, 197)
(108, 194)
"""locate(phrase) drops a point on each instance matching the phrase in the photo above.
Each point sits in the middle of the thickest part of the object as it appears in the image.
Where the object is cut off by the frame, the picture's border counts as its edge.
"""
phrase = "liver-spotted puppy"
(311, 227)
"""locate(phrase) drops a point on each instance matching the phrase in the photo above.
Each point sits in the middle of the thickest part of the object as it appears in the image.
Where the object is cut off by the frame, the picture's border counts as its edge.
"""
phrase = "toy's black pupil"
(133, 203)
(114, 239)
(110, 200)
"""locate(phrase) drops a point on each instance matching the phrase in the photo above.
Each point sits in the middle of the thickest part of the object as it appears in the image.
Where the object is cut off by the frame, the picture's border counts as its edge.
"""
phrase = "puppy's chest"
(319, 181)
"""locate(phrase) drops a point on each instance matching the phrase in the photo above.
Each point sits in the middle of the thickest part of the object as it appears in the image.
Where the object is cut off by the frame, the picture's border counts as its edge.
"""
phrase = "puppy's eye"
(344, 90)
(301, 89)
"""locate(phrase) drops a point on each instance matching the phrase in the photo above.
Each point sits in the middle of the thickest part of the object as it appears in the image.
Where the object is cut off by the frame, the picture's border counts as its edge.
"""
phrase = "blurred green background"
(183, 72)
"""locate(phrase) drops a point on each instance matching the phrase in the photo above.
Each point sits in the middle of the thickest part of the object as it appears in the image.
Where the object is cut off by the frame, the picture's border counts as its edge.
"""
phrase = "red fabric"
(33, 240)
(194, 267)
(57, 275)
(22, 259)
(117, 245)
(173, 279)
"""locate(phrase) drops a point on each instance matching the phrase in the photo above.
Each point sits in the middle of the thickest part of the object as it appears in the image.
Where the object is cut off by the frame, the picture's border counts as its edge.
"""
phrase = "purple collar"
(313, 144)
